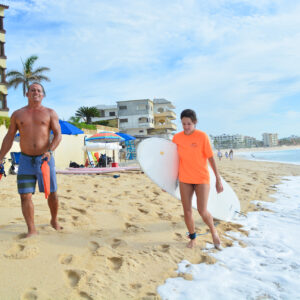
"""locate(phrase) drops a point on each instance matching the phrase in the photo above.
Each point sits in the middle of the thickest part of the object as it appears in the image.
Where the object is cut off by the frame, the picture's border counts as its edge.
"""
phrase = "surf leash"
(2, 171)
(192, 236)
(241, 213)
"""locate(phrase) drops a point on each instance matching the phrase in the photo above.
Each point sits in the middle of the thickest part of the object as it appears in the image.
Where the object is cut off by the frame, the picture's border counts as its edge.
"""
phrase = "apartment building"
(141, 117)
(136, 116)
(270, 139)
(228, 141)
(3, 89)
(163, 117)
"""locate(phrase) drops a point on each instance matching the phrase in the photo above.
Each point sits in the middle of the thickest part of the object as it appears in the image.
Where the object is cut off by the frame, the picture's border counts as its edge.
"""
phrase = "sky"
(236, 63)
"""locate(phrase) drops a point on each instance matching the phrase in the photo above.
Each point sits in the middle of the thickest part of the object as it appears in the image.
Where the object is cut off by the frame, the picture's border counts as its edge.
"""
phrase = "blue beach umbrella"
(68, 128)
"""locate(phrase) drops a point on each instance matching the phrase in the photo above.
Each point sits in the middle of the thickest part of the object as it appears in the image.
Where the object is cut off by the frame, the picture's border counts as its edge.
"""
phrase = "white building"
(270, 139)
(107, 112)
(228, 141)
(141, 117)
(135, 116)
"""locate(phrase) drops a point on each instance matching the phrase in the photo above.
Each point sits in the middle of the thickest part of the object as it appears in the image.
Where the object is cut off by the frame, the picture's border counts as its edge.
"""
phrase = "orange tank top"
(193, 151)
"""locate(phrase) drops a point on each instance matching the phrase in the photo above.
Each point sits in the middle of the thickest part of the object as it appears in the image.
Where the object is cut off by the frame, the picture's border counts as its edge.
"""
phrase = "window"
(2, 53)
(123, 107)
(112, 113)
(160, 110)
(123, 120)
(141, 107)
(143, 120)
(2, 101)
(141, 131)
(2, 75)
(1, 23)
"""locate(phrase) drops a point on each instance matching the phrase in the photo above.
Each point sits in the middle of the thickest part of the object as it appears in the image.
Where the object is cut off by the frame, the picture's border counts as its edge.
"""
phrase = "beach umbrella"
(106, 137)
(68, 128)
(125, 136)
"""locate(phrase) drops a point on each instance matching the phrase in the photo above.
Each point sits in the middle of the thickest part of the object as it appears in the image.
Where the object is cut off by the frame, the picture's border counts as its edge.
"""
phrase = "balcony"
(166, 125)
(166, 114)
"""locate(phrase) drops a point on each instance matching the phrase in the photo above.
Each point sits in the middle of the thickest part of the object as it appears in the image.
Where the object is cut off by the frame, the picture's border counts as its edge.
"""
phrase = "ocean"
(268, 268)
(283, 156)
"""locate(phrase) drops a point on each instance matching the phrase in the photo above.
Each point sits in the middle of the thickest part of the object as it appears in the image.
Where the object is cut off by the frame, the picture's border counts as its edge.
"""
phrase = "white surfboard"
(158, 159)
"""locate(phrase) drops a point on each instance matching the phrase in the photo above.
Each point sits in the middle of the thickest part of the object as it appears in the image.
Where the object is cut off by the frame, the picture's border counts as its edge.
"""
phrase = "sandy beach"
(122, 237)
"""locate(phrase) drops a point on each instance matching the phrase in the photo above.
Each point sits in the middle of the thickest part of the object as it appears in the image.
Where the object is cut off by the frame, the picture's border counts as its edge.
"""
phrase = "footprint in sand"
(164, 248)
(136, 286)
(66, 259)
(178, 236)
(164, 216)
(94, 248)
(98, 233)
(118, 243)
(115, 263)
(74, 276)
(133, 228)
(21, 251)
(144, 211)
(84, 295)
(33, 294)
(82, 211)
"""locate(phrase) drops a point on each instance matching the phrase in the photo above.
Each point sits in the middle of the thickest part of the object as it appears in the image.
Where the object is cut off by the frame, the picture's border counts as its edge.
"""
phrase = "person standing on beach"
(194, 150)
(219, 154)
(34, 123)
(231, 154)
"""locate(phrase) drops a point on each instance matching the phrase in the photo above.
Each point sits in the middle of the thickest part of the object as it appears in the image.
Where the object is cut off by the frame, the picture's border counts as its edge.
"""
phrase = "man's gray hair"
(39, 85)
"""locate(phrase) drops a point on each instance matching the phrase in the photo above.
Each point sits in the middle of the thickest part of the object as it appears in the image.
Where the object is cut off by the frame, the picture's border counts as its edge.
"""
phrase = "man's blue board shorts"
(30, 171)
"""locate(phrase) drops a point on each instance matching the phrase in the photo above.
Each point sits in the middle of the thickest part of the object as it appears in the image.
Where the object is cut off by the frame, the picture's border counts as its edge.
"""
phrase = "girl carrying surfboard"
(194, 151)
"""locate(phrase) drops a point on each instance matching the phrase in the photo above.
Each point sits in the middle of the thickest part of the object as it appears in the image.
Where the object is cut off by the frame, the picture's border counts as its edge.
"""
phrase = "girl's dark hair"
(189, 113)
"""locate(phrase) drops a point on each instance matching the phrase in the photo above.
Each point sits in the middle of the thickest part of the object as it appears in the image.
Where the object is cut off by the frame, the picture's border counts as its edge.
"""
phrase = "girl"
(194, 150)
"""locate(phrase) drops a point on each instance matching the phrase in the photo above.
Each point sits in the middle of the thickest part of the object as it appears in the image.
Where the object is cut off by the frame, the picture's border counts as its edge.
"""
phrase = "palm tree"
(87, 113)
(28, 75)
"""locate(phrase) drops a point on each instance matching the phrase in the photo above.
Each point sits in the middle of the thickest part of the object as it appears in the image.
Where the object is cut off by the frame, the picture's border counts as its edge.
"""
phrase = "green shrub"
(5, 121)
(84, 126)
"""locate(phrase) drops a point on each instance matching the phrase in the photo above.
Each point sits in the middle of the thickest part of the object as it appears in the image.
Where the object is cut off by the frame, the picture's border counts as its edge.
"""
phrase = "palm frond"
(29, 63)
(40, 70)
(14, 82)
(38, 78)
(14, 73)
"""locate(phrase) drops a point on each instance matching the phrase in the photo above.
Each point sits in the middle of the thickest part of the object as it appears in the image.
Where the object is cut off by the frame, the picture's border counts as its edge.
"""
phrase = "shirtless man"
(34, 123)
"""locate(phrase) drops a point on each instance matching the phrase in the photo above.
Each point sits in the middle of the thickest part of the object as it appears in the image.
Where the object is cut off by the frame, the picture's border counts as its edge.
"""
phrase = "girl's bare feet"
(191, 243)
(216, 240)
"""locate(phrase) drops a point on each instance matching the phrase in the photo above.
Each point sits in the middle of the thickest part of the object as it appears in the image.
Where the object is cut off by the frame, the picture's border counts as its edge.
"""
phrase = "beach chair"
(15, 158)
(90, 159)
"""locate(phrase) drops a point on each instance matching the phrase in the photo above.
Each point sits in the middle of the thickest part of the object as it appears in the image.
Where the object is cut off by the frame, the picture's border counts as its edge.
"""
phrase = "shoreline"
(271, 254)
(113, 228)
(260, 149)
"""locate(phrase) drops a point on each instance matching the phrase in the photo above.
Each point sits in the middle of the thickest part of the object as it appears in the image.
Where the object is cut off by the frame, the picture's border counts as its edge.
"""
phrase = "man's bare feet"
(191, 243)
(31, 233)
(55, 225)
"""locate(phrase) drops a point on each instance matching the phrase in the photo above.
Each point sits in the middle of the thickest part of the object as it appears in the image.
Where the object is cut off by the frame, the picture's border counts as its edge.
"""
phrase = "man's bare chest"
(33, 120)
